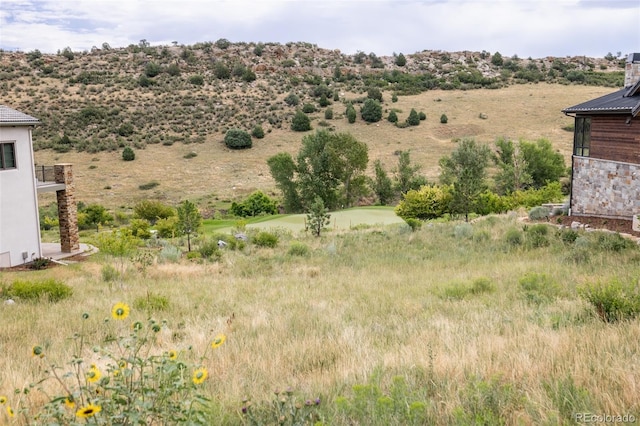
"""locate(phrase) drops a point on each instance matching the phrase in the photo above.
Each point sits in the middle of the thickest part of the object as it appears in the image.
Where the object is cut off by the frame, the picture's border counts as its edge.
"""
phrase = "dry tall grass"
(366, 306)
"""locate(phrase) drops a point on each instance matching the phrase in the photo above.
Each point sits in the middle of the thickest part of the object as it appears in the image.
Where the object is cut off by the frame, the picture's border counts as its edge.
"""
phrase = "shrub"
(513, 237)
(152, 211)
(371, 111)
(414, 224)
(298, 249)
(39, 263)
(190, 155)
(444, 119)
(613, 301)
(482, 285)
(613, 242)
(429, 202)
(328, 114)
(140, 228)
(196, 80)
(351, 114)
(539, 288)
(170, 254)
(308, 108)
(257, 132)
(49, 289)
(167, 227)
(537, 235)
(301, 122)
(128, 154)
(265, 239)
(414, 118)
(393, 117)
(210, 250)
(292, 99)
(422, 116)
(463, 231)
(148, 185)
(255, 205)
(109, 273)
(237, 139)
(539, 213)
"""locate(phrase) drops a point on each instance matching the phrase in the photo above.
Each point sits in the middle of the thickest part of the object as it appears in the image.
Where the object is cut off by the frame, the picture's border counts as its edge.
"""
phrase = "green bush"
(513, 237)
(612, 242)
(152, 211)
(265, 239)
(149, 185)
(444, 119)
(300, 122)
(393, 117)
(210, 250)
(482, 285)
(414, 118)
(414, 224)
(351, 114)
(308, 108)
(140, 228)
(255, 205)
(237, 139)
(49, 289)
(463, 231)
(429, 202)
(328, 114)
(539, 213)
(109, 273)
(539, 288)
(371, 111)
(257, 132)
(537, 235)
(292, 99)
(614, 300)
(196, 80)
(128, 154)
(298, 249)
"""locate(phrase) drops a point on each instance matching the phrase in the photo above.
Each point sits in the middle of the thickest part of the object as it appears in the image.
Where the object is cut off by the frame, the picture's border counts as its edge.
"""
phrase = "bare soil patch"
(617, 225)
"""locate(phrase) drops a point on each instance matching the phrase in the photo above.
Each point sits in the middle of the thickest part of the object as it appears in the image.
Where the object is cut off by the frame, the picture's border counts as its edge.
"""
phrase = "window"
(582, 136)
(7, 155)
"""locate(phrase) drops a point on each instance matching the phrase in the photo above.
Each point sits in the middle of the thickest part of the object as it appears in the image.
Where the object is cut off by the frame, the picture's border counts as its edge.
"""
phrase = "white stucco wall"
(19, 225)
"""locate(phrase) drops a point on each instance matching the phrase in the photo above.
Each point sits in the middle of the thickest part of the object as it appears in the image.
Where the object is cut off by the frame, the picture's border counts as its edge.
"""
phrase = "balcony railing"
(45, 174)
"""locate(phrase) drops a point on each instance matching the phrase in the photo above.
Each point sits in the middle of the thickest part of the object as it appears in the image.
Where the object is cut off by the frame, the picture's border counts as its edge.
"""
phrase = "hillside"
(172, 102)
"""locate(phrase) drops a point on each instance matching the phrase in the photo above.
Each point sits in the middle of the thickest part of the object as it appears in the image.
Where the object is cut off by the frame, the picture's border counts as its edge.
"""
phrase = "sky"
(526, 28)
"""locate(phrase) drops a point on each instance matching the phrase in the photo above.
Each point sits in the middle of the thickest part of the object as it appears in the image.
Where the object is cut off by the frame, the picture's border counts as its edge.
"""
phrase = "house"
(605, 178)
(19, 189)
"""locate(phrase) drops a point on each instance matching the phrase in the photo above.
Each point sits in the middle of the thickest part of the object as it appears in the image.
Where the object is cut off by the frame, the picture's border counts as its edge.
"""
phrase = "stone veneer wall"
(67, 209)
(605, 188)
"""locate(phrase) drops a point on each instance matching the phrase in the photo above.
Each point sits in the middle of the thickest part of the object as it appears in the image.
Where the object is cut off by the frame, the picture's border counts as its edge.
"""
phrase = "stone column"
(67, 209)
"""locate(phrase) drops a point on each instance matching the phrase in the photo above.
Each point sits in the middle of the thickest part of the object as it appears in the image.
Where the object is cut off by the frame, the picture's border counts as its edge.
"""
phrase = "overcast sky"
(527, 28)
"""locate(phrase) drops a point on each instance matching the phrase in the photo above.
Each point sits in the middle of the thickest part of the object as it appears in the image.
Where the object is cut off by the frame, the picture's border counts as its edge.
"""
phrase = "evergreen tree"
(189, 220)
(301, 122)
(401, 61)
(318, 217)
(413, 119)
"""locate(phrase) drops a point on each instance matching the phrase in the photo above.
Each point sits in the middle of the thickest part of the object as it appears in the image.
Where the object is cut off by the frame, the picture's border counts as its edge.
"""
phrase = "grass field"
(217, 175)
(459, 321)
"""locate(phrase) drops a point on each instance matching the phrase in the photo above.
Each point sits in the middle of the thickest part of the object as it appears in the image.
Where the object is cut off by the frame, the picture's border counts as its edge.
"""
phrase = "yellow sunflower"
(10, 412)
(3, 399)
(120, 311)
(218, 341)
(88, 411)
(200, 375)
(37, 351)
(94, 374)
(69, 402)
(173, 355)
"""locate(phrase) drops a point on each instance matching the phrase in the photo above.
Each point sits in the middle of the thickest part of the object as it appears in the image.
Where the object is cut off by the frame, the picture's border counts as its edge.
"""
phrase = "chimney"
(632, 70)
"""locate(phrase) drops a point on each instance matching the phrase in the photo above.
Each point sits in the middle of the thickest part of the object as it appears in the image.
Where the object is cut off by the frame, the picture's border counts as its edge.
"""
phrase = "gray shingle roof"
(11, 117)
(624, 101)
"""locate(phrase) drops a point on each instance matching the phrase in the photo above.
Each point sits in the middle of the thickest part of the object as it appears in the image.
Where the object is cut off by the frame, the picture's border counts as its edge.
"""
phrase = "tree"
(189, 220)
(371, 111)
(374, 93)
(96, 215)
(497, 59)
(318, 217)
(393, 117)
(466, 168)
(543, 163)
(237, 139)
(301, 122)
(152, 211)
(283, 171)
(351, 113)
(128, 154)
(414, 118)
(407, 177)
(381, 184)
(512, 172)
(401, 61)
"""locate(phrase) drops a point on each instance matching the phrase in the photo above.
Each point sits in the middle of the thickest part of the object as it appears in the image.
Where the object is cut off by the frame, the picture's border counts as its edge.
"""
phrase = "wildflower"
(317, 401)
(136, 326)
(120, 311)
(3, 400)
(88, 411)
(199, 375)
(93, 375)
(37, 351)
(218, 341)
(173, 355)
(69, 402)
(10, 412)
